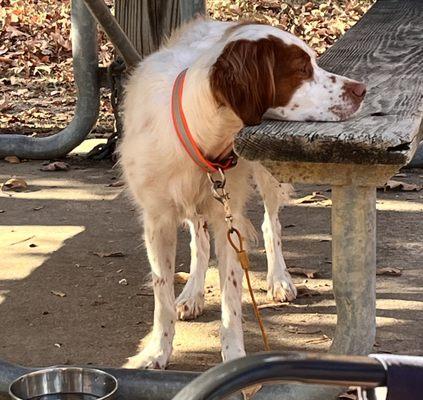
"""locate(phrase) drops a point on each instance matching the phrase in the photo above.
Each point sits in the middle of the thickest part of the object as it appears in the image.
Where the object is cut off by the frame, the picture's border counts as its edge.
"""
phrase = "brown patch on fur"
(235, 283)
(333, 79)
(159, 281)
(252, 76)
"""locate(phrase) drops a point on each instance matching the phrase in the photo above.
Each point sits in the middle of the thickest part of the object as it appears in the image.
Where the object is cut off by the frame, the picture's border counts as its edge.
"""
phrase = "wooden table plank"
(385, 49)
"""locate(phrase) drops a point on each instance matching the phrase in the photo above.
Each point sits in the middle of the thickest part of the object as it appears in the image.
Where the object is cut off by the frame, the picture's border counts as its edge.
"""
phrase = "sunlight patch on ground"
(63, 189)
(395, 305)
(381, 205)
(399, 205)
(86, 146)
(26, 247)
(318, 237)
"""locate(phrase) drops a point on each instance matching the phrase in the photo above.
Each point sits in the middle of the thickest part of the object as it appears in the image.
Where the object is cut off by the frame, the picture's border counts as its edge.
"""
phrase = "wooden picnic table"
(384, 49)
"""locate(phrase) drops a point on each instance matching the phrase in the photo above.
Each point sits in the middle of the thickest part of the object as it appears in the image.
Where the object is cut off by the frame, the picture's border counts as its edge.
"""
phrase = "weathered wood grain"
(385, 49)
(148, 22)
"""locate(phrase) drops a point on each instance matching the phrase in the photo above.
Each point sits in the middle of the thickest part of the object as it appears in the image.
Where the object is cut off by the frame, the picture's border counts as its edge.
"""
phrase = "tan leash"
(221, 195)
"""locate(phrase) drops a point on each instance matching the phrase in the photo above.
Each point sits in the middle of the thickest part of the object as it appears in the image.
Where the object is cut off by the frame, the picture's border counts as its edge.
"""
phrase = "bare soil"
(60, 303)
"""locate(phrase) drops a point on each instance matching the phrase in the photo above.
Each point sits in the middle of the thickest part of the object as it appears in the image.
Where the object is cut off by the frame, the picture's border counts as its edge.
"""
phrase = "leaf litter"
(38, 94)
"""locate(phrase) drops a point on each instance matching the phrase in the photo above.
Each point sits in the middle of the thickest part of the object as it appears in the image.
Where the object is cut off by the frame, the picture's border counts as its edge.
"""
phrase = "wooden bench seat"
(385, 49)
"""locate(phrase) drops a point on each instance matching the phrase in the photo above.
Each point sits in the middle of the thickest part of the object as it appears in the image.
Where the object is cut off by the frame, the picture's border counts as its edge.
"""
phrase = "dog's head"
(264, 71)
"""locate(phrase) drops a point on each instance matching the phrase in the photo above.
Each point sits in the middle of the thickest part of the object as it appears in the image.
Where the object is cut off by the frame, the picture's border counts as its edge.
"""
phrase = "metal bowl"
(64, 383)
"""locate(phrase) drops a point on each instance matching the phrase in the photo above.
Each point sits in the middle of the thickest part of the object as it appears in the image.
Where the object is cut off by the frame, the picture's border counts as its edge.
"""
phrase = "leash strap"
(184, 134)
(245, 264)
(220, 194)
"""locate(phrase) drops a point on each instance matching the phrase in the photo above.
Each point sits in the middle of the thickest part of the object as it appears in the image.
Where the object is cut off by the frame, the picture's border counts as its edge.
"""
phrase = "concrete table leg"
(354, 268)
(354, 283)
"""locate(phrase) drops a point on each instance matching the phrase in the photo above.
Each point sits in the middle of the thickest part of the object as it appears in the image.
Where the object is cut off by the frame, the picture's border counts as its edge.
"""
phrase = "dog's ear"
(242, 78)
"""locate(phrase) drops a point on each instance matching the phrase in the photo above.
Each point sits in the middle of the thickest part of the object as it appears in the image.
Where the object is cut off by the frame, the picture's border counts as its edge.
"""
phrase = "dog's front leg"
(190, 303)
(231, 275)
(160, 239)
(280, 286)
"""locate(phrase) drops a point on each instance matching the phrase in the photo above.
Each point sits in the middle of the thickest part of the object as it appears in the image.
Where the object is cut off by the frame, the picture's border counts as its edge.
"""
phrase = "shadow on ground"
(62, 304)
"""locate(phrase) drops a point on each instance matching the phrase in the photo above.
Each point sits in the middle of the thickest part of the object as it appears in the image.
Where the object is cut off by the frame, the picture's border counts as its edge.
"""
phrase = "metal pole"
(85, 66)
(114, 32)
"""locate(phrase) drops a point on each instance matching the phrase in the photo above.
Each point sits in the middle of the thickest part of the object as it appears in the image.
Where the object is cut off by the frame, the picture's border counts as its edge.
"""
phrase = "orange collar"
(184, 134)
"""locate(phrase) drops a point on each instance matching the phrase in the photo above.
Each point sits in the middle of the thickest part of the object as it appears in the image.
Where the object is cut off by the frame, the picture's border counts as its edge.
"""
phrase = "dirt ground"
(60, 303)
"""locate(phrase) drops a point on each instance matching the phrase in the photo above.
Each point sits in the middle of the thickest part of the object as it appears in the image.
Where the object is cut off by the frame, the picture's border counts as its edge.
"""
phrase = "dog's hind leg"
(190, 303)
(280, 286)
(160, 239)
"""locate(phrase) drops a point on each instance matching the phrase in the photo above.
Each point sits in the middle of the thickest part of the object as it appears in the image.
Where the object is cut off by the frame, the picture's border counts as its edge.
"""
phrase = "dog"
(227, 75)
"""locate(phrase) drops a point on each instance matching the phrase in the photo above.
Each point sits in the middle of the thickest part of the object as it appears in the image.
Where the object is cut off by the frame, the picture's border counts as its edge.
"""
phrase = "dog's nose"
(357, 89)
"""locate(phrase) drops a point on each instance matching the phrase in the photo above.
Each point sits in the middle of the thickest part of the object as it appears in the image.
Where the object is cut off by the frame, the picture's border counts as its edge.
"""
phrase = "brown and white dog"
(237, 74)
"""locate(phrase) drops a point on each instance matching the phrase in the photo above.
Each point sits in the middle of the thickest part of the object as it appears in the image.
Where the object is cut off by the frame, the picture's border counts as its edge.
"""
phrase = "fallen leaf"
(401, 186)
(58, 293)
(389, 271)
(309, 273)
(347, 396)
(116, 184)
(58, 345)
(123, 282)
(181, 277)
(316, 197)
(273, 306)
(56, 166)
(38, 208)
(304, 291)
(249, 392)
(2, 211)
(12, 159)
(15, 184)
(302, 331)
(111, 254)
(321, 339)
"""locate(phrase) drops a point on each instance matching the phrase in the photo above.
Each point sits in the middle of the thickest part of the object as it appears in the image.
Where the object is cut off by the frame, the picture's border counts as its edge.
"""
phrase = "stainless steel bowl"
(64, 383)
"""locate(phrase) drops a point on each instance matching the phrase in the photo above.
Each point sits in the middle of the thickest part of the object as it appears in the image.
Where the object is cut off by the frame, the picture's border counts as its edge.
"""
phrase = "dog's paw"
(149, 358)
(282, 290)
(189, 306)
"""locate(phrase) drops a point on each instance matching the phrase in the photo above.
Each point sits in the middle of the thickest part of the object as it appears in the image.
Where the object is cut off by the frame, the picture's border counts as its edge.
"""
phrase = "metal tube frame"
(232, 376)
(85, 66)
(114, 32)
